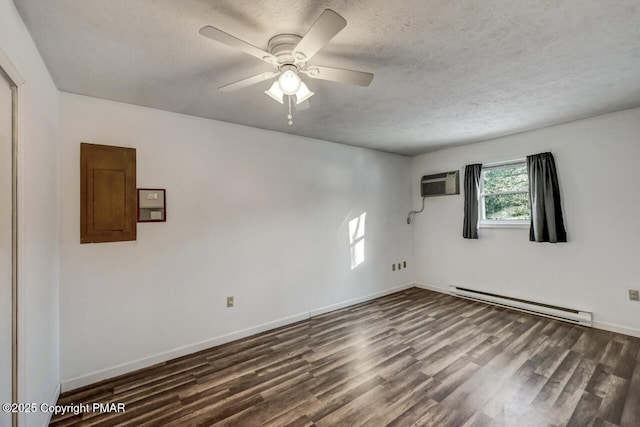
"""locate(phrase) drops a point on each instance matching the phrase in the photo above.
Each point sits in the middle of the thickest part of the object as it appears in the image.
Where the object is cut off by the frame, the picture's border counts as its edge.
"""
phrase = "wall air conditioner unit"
(440, 184)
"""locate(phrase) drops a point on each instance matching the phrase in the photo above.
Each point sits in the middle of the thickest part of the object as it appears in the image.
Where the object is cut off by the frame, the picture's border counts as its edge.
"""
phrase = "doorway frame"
(10, 74)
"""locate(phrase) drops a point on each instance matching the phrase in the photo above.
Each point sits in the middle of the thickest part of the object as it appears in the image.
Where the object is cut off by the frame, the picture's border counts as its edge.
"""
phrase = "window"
(504, 195)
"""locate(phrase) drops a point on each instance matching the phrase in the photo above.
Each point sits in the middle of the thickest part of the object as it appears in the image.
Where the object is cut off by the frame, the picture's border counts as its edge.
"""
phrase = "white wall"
(597, 162)
(38, 216)
(259, 215)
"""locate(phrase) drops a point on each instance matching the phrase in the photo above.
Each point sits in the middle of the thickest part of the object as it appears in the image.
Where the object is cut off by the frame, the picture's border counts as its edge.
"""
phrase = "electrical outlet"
(634, 295)
(229, 301)
(393, 267)
(404, 264)
(399, 266)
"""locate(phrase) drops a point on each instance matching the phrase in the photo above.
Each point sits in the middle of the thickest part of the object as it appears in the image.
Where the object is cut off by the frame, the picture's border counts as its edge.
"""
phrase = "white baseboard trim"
(612, 327)
(605, 326)
(114, 371)
(432, 288)
(52, 402)
(354, 301)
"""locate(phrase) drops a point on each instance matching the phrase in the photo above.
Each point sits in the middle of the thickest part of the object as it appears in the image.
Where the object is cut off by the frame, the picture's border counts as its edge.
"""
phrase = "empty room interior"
(319, 213)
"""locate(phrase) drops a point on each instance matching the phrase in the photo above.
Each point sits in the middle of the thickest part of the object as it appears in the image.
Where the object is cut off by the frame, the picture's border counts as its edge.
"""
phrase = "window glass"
(504, 194)
(506, 179)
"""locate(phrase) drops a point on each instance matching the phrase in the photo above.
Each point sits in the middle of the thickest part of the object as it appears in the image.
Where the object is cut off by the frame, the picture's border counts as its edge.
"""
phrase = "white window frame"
(499, 223)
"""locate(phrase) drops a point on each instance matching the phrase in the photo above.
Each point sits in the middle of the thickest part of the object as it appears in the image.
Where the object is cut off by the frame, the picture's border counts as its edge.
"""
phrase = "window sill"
(504, 224)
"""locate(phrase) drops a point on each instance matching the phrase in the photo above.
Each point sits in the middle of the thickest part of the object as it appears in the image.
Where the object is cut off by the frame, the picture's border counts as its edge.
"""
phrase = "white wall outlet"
(634, 295)
(230, 301)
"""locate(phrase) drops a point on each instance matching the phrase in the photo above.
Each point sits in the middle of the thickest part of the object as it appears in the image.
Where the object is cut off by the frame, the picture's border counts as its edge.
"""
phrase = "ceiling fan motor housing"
(281, 46)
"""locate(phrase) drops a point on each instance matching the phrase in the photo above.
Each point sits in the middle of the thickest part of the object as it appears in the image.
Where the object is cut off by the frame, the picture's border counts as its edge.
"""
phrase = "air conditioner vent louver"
(440, 184)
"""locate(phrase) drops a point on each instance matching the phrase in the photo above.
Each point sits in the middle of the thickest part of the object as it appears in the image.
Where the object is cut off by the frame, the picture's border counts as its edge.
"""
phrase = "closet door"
(5, 248)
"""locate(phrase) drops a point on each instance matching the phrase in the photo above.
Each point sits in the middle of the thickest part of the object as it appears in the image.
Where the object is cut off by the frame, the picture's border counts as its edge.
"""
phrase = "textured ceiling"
(446, 72)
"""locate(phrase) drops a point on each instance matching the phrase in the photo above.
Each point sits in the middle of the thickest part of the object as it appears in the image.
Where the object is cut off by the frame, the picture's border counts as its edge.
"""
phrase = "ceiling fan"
(289, 54)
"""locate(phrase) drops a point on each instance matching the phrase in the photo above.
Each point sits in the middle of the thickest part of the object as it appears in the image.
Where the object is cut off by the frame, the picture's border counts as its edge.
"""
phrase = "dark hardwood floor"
(412, 358)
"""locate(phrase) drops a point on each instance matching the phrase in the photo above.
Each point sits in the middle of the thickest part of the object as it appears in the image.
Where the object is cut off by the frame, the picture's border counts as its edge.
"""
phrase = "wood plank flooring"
(415, 357)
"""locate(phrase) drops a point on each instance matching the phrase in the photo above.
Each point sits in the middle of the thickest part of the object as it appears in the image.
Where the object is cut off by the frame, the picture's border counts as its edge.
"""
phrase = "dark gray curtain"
(547, 224)
(471, 192)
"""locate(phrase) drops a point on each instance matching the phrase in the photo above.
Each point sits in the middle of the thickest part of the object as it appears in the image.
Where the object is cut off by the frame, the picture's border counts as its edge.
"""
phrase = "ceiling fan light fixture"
(289, 81)
(303, 93)
(275, 92)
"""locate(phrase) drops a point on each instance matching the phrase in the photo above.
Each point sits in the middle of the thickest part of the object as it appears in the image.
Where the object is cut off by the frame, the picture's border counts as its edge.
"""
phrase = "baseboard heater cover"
(559, 313)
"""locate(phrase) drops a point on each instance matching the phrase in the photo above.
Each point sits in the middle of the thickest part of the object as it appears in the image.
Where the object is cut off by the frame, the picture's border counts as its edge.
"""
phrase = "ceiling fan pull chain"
(290, 117)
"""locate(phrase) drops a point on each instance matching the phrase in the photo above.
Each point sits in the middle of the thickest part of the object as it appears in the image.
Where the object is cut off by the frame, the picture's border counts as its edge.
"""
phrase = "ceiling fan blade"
(324, 29)
(248, 81)
(304, 105)
(339, 75)
(229, 40)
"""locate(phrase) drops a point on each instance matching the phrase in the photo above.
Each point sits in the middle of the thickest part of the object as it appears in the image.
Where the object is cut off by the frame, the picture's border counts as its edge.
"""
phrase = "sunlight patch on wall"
(356, 239)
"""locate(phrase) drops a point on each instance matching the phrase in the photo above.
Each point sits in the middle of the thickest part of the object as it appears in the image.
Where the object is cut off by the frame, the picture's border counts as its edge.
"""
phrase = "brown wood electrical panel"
(107, 193)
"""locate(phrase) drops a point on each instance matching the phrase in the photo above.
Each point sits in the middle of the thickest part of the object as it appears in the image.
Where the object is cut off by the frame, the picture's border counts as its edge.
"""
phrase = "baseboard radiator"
(559, 313)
